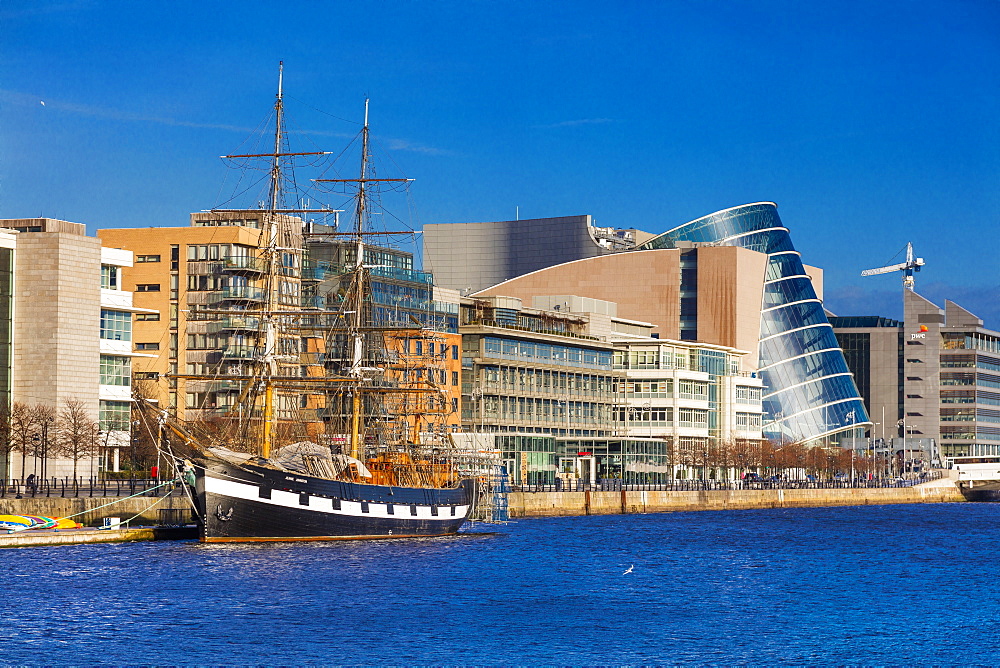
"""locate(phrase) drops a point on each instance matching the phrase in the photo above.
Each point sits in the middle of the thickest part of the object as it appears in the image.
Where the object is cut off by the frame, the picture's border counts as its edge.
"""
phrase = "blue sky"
(870, 124)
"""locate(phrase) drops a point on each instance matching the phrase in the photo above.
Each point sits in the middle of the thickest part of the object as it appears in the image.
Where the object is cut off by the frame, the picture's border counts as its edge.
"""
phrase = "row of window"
(546, 353)
(552, 411)
(668, 357)
(197, 253)
(434, 349)
(439, 376)
(517, 379)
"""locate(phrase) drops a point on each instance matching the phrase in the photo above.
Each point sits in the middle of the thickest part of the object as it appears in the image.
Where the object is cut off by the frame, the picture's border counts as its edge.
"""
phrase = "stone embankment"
(92, 511)
(554, 504)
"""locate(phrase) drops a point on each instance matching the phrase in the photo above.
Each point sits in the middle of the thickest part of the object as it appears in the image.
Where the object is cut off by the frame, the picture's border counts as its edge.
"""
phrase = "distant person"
(31, 483)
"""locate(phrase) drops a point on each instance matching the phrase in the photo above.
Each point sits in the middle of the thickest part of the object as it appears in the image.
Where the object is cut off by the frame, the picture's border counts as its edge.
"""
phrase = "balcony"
(243, 293)
(314, 301)
(240, 352)
(243, 264)
(235, 323)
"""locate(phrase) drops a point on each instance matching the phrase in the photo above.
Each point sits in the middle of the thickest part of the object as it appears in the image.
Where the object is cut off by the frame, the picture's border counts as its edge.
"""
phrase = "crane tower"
(911, 265)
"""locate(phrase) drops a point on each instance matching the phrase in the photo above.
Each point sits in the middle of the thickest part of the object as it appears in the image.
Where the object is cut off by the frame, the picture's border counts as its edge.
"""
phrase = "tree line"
(45, 433)
(766, 456)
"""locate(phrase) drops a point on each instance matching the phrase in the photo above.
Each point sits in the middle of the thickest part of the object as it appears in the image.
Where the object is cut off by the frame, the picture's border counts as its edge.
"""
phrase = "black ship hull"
(249, 503)
(980, 490)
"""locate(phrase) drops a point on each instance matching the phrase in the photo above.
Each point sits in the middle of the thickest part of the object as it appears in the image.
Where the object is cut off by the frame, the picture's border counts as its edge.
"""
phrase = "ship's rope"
(90, 510)
(147, 509)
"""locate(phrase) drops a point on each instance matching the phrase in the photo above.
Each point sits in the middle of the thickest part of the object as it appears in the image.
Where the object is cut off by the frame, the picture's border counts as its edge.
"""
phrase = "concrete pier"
(48, 537)
(554, 504)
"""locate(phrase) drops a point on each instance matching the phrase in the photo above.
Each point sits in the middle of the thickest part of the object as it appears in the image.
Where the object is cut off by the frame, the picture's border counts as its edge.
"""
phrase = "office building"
(935, 376)
(569, 391)
(732, 278)
(471, 256)
(70, 339)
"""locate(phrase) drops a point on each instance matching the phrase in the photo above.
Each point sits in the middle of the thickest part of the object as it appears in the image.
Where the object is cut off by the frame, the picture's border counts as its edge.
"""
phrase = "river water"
(856, 585)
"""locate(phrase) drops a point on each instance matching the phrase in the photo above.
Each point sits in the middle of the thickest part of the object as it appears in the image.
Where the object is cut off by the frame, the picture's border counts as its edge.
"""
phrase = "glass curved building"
(809, 392)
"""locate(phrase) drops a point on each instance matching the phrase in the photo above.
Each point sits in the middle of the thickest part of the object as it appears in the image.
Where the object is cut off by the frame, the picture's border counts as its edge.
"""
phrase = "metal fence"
(772, 482)
(87, 487)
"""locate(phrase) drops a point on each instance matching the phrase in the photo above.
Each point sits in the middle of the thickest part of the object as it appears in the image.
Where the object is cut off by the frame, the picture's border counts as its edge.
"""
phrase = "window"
(115, 415)
(146, 375)
(147, 287)
(692, 417)
(692, 389)
(147, 258)
(454, 378)
(205, 283)
(116, 371)
(116, 325)
(147, 346)
(109, 277)
(147, 316)
(454, 352)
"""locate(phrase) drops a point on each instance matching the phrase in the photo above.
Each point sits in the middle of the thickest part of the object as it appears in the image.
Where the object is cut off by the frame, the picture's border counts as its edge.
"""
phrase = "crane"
(911, 265)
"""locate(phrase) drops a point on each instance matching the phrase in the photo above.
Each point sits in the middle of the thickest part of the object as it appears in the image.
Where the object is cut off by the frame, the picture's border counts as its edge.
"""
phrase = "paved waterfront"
(853, 585)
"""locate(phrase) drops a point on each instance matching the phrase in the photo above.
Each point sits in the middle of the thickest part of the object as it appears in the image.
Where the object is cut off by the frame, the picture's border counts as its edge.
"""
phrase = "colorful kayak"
(37, 522)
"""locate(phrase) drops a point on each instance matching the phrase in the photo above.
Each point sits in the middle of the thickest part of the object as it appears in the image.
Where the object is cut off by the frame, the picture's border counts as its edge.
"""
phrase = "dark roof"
(867, 321)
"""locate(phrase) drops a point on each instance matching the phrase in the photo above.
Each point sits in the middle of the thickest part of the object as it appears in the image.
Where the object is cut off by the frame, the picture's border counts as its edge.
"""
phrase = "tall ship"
(330, 431)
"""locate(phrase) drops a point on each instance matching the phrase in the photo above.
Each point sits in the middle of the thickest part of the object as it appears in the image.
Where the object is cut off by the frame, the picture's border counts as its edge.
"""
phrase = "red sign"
(583, 454)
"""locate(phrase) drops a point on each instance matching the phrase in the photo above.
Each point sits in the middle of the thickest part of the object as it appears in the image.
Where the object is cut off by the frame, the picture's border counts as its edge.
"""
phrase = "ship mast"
(268, 362)
(357, 353)
(357, 309)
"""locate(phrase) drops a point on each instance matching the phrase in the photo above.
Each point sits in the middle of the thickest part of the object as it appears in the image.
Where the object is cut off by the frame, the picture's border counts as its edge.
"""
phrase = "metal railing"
(774, 482)
(86, 487)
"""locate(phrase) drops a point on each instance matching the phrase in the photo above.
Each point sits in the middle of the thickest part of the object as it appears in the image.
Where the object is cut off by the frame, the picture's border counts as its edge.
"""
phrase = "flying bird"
(41, 102)
(629, 569)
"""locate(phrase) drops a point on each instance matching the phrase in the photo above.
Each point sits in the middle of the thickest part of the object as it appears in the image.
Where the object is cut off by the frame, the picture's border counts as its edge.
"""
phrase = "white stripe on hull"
(321, 504)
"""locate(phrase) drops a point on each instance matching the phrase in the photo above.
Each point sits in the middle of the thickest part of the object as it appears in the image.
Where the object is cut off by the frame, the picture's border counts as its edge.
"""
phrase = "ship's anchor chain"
(223, 516)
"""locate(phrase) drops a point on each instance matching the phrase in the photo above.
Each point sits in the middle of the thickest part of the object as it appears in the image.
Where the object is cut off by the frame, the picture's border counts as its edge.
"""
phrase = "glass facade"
(809, 393)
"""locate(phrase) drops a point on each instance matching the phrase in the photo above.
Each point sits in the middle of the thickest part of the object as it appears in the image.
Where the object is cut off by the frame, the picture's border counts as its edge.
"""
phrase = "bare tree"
(45, 419)
(22, 431)
(6, 440)
(77, 433)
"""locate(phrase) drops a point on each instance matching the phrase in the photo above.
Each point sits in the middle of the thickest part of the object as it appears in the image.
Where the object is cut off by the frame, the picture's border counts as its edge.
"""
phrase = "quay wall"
(554, 504)
(88, 511)
(177, 510)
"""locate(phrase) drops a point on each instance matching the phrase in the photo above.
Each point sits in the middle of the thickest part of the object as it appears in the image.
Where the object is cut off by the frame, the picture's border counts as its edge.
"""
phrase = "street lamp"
(902, 464)
(851, 416)
(874, 454)
(37, 440)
